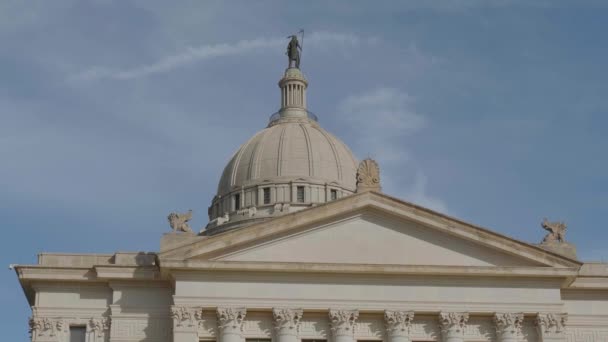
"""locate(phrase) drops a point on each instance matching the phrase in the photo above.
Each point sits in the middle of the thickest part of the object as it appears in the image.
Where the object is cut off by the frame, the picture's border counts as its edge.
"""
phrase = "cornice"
(473, 271)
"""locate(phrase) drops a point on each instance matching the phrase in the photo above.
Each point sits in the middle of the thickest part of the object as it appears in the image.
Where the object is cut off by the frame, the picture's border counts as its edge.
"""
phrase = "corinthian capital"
(231, 319)
(551, 324)
(508, 323)
(287, 320)
(186, 316)
(98, 326)
(343, 322)
(398, 322)
(453, 323)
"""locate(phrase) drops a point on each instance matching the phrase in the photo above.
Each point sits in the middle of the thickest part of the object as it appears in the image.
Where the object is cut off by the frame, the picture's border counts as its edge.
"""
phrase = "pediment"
(368, 229)
(369, 238)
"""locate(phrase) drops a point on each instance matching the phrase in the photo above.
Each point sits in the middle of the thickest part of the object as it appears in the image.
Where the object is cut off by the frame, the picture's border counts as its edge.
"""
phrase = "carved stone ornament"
(343, 322)
(231, 319)
(45, 326)
(398, 323)
(453, 323)
(368, 176)
(508, 324)
(287, 320)
(179, 222)
(98, 326)
(186, 316)
(551, 324)
(557, 231)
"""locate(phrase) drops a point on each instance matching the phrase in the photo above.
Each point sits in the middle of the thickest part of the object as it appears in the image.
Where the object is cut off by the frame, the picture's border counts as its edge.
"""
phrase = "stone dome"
(290, 165)
(289, 151)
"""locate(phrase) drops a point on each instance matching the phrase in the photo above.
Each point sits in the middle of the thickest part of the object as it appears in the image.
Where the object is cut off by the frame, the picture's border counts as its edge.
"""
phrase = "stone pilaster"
(98, 329)
(342, 323)
(508, 326)
(287, 324)
(452, 325)
(551, 327)
(230, 323)
(398, 325)
(185, 323)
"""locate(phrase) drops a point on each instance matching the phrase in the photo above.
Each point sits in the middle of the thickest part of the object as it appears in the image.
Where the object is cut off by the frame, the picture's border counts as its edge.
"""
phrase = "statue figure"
(293, 51)
(179, 222)
(368, 176)
(557, 231)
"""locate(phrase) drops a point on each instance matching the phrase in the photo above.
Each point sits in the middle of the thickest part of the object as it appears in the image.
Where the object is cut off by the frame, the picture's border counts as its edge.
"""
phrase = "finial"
(294, 50)
(368, 176)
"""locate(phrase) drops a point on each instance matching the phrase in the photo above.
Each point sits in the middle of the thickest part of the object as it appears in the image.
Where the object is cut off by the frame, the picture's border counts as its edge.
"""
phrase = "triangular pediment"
(369, 238)
(367, 229)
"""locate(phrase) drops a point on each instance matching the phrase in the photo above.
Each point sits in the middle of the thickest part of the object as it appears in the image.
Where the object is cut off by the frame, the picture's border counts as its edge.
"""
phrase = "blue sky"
(115, 113)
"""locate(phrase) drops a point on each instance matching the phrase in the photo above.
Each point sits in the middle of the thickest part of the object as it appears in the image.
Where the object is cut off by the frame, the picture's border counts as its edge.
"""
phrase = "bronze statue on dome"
(294, 50)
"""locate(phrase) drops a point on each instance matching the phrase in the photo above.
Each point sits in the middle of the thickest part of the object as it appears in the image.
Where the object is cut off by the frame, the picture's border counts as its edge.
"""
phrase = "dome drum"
(269, 199)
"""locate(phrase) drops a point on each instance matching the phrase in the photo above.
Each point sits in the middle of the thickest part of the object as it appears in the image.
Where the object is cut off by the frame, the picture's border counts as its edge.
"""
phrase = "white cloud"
(382, 118)
(200, 53)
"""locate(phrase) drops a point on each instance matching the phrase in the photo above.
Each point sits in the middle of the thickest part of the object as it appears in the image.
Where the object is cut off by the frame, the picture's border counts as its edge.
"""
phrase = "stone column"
(287, 324)
(230, 324)
(398, 325)
(452, 325)
(342, 323)
(186, 321)
(551, 327)
(508, 326)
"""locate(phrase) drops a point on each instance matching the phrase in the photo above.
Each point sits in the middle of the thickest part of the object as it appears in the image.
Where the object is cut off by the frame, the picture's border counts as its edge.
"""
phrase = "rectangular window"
(266, 195)
(78, 334)
(237, 201)
(300, 194)
(334, 194)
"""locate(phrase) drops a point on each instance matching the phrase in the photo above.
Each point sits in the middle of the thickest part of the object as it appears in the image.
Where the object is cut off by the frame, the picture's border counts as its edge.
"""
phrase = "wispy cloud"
(383, 117)
(203, 52)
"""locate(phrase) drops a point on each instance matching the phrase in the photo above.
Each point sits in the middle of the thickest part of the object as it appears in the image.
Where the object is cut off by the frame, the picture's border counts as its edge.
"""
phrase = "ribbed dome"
(289, 151)
(291, 165)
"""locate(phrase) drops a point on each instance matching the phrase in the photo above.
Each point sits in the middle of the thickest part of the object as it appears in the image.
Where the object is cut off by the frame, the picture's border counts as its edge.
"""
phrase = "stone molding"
(57, 329)
(230, 320)
(551, 325)
(184, 316)
(343, 322)
(398, 323)
(453, 324)
(508, 325)
(287, 321)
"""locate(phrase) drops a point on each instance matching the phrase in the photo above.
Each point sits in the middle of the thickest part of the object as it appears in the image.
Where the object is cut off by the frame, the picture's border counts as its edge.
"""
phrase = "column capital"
(287, 320)
(398, 323)
(452, 324)
(186, 317)
(551, 325)
(45, 327)
(99, 326)
(342, 322)
(230, 319)
(508, 325)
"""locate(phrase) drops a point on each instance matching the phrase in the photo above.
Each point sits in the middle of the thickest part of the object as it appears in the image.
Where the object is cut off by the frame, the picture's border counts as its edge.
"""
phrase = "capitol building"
(303, 245)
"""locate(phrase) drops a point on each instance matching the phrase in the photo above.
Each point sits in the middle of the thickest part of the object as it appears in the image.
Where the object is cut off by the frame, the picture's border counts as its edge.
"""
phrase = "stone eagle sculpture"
(179, 222)
(557, 231)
